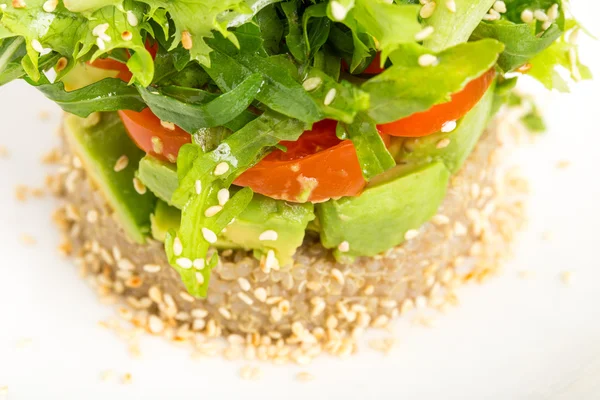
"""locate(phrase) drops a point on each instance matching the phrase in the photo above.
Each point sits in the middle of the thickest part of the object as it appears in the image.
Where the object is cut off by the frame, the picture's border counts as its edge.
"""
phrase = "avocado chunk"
(289, 220)
(401, 199)
(164, 219)
(159, 177)
(84, 74)
(99, 147)
(462, 140)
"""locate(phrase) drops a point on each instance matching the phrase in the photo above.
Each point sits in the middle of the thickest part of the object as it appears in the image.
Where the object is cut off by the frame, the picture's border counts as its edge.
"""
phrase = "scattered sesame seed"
(121, 163)
(4, 153)
(172, 159)
(424, 34)
(268, 235)
(184, 262)
(260, 294)
(177, 246)
(442, 144)
(330, 96)
(448, 126)
(151, 268)
(223, 196)
(312, 83)
(167, 125)
(199, 263)
(126, 36)
(127, 378)
(225, 312)
(155, 324)
(411, 234)
(139, 187)
(198, 186)
(492, 15)
(244, 284)
(157, 145)
(91, 216)
(132, 19)
(186, 40)
(27, 239)
(37, 46)
(540, 15)
(212, 211)
(344, 247)
(451, 5)
(245, 298)
(221, 168)
(527, 16)
(427, 10)
(209, 235)
(428, 60)
(460, 229)
(338, 10)
(200, 278)
(271, 261)
(304, 376)
(500, 6)
(3, 390)
(338, 276)
(546, 25)
(50, 5)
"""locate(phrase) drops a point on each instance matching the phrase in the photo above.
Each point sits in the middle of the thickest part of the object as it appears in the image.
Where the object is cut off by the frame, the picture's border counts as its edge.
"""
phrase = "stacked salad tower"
(260, 125)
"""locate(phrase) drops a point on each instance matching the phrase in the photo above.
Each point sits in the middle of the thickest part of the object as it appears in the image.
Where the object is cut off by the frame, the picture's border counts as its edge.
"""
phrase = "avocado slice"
(84, 74)
(462, 140)
(289, 220)
(99, 147)
(401, 199)
(158, 176)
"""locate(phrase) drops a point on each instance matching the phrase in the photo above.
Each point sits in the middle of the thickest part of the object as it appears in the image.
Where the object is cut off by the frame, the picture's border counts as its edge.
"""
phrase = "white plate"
(512, 338)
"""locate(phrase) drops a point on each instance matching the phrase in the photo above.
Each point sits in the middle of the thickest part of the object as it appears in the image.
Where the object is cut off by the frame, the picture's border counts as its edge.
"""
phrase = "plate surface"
(511, 338)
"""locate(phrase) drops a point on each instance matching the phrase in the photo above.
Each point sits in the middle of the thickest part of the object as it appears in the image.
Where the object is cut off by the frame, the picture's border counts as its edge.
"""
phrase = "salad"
(252, 123)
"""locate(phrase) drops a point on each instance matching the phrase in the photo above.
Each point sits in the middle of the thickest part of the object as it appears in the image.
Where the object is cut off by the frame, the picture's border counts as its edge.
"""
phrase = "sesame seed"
(200, 278)
(451, 5)
(37, 46)
(424, 34)
(448, 126)
(428, 60)
(304, 376)
(177, 246)
(245, 298)
(92, 216)
(427, 10)
(126, 36)
(131, 18)
(460, 229)
(209, 235)
(443, 143)
(151, 268)
(221, 168)
(167, 125)
(100, 30)
(330, 96)
(338, 276)
(223, 196)
(269, 235)
(127, 378)
(225, 312)
(312, 83)
(411, 234)
(546, 25)
(566, 277)
(344, 247)
(186, 40)
(271, 261)
(338, 10)
(500, 6)
(155, 324)
(199, 263)
(527, 16)
(27, 239)
(540, 15)
(574, 36)
(139, 187)
(212, 211)
(184, 262)
(492, 15)
(244, 284)
(260, 294)
(157, 145)
(121, 163)
(553, 12)
(198, 186)
(50, 5)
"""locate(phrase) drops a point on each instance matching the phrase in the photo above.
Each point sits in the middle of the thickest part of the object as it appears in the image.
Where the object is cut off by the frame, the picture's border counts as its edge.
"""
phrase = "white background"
(512, 338)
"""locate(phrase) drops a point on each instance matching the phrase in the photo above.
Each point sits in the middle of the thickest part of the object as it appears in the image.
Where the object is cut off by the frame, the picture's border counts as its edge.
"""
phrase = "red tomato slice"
(432, 120)
(151, 136)
(114, 65)
(316, 168)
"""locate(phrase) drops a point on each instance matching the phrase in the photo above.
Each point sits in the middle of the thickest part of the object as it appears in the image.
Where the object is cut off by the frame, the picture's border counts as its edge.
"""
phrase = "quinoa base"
(317, 305)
